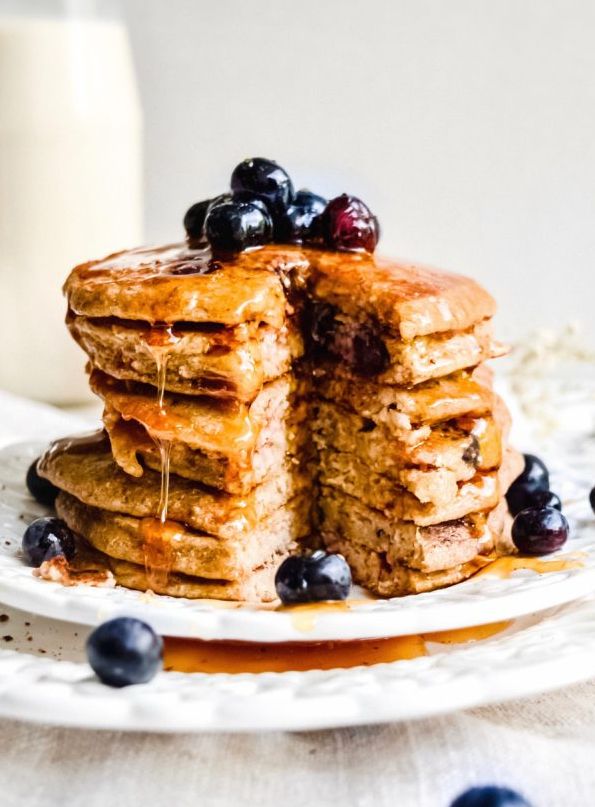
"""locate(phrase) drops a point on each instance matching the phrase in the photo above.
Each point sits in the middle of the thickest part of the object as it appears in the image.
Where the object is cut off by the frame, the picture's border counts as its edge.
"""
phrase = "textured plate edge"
(248, 713)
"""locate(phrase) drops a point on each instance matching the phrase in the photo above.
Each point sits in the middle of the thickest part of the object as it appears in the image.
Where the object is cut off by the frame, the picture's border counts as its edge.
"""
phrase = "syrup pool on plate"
(193, 655)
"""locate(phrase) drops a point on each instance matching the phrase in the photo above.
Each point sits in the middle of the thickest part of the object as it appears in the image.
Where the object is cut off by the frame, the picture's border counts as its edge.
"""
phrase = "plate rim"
(199, 702)
(205, 620)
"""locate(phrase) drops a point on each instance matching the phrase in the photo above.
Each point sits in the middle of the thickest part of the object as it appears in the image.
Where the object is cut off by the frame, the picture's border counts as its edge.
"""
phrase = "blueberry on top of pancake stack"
(271, 386)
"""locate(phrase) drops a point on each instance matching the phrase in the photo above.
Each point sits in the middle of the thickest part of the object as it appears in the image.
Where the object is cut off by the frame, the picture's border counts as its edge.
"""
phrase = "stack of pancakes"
(284, 395)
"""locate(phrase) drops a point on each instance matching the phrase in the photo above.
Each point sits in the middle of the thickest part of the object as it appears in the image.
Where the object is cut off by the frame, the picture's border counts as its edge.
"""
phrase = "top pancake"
(176, 284)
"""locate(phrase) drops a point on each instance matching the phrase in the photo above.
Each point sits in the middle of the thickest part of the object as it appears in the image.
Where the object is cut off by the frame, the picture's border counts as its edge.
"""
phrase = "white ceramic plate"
(44, 678)
(474, 602)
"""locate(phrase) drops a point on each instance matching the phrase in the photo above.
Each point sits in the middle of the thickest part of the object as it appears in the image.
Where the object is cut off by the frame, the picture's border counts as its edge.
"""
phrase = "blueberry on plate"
(544, 498)
(539, 530)
(301, 222)
(535, 476)
(313, 578)
(521, 499)
(196, 215)
(124, 651)
(265, 179)
(41, 489)
(490, 796)
(348, 224)
(592, 499)
(234, 226)
(47, 538)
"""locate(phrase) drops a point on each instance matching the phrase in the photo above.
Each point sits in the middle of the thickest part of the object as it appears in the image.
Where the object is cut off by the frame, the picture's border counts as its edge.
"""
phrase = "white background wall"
(467, 125)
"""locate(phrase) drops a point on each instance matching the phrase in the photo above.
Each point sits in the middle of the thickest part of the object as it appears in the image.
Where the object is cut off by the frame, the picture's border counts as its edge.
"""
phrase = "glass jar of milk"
(70, 177)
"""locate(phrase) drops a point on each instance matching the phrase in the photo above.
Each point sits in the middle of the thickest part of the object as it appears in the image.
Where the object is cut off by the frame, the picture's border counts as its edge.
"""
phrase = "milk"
(70, 185)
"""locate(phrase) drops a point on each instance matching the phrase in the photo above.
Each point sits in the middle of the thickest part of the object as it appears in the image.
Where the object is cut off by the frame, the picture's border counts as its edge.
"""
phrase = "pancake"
(86, 469)
(413, 560)
(388, 504)
(346, 472)
(181, 549)
(427, 549)
(407, 299)
(174, 283)
(401, 409)
(212, 360)
(373, 571)
(226, 445)
(363, 350)
(463, 446)
(259, 587)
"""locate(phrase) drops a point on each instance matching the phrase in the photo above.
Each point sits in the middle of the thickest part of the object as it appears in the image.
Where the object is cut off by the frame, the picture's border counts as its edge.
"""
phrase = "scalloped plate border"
(534, 655)
(473, 602)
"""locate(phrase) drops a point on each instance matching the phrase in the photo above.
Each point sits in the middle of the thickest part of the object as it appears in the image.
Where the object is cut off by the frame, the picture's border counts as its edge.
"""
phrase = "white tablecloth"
(543, 746)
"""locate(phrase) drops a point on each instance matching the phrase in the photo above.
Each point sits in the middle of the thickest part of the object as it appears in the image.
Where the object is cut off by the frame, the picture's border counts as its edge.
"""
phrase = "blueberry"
(348, 224)
(301, 222)
(41, 489)
(535, 476)
(247, 196)
(545, 498)
(312, 578)
(194, 220)
(539, 530)
(124, 651)
(319, 327)
(490, 796)
(235, 226)
(265, 179)
(370, 355)
(592, 500)
(46, 538)
(521, 498)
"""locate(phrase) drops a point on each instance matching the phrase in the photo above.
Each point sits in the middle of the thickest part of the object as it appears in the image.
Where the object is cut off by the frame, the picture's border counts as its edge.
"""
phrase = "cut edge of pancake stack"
(413, 461)
(225, 449)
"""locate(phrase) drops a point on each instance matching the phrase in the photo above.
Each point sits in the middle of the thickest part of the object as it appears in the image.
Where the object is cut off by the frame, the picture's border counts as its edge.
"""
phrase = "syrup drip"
(157, 533)
(195, 655)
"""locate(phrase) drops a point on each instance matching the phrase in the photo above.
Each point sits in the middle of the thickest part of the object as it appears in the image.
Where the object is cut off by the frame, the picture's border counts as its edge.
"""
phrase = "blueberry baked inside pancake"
(273, 391)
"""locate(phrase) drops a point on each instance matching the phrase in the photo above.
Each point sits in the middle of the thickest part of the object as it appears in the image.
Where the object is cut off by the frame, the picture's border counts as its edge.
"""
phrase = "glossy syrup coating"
(147, 284)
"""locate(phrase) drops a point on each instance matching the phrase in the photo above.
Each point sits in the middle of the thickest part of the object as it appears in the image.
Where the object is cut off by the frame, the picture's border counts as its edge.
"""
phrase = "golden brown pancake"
(184, 550)
(224, 444)
(462, 445)
(402, 408)
(87, 470)
(390, 504)
(410, 559)
(201, 360)
(175, 284)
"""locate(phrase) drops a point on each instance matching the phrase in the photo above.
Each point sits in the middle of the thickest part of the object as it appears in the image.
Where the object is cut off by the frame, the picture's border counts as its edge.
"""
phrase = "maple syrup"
(192, 655)
(195, 655)
(505, 566)
(476, 633)
(157, 533)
